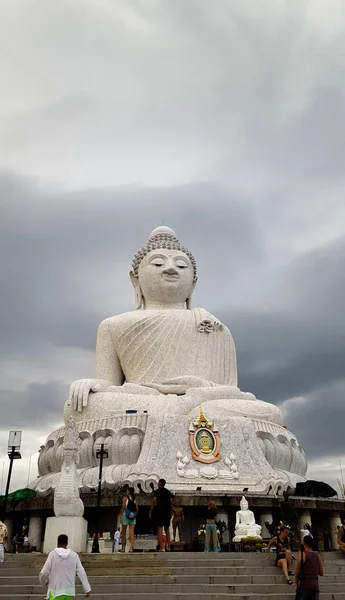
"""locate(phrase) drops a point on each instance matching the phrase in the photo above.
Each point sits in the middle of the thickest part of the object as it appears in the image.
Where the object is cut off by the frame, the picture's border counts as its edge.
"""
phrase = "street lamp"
(100, 454)
(13, 452)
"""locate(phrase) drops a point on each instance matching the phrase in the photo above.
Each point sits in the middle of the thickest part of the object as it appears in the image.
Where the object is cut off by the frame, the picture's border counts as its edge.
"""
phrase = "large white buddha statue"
(245, 523)
(164, 347)
(156, 367)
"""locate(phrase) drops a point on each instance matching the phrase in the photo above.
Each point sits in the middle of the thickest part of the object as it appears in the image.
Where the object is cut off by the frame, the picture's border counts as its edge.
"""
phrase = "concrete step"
(175, 588)
(181, 576)
(247, 579)
(288, 594)
(164, 572)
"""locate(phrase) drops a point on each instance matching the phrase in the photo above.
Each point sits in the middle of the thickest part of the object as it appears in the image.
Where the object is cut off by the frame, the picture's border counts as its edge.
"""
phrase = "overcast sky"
(227, 120)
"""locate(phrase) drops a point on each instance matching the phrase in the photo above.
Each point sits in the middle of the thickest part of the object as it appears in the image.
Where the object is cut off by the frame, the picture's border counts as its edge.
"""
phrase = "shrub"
(252, 544)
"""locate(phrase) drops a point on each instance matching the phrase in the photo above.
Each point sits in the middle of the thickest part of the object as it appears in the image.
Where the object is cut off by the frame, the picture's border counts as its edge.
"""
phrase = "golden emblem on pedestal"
(204, 440)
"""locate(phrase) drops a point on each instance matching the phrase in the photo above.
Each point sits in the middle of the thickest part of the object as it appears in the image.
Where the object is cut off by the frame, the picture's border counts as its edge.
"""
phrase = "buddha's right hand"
(80, 390)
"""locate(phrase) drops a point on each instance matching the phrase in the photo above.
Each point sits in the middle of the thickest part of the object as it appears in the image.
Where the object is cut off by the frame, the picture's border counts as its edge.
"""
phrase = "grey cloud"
(299, 347)
(71, 244)
(68, 252)
(154, 94)
(319, 421)
(38, 405)
(179, 89)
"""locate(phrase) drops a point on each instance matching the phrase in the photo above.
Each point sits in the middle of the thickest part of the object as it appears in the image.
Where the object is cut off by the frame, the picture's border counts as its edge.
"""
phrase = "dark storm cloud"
(301, 346)
(319, 420)
(41, 402)
(70, 244)
(69, 254)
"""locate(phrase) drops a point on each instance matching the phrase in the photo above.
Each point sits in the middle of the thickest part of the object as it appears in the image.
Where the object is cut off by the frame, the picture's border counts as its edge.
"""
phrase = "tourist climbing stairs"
(173, 576)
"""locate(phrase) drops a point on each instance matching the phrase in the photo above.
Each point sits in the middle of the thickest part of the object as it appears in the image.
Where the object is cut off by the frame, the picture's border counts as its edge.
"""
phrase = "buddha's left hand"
(179, 385)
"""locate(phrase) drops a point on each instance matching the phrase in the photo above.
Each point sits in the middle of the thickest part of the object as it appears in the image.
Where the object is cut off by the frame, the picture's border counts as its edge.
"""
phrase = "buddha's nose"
(170, 271)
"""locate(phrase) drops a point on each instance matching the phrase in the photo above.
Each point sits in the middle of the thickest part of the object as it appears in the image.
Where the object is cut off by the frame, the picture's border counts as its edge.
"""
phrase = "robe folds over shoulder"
(156, 345)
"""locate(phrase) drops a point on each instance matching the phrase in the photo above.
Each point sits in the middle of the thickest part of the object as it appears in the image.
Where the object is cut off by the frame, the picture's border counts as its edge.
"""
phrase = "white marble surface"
(166, 360)
(333, 522)
(74, 527)
(35, 531)
(67, 500)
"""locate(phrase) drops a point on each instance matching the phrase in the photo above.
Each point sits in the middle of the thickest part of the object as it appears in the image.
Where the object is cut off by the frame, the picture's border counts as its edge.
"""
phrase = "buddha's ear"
(139, 300)
(189, 299)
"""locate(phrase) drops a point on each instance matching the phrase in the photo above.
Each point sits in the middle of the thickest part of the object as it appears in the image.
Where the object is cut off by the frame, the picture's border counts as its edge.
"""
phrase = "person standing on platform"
(128, 517)
(305, 531)
(3, 538)
(326, 541)
(160, 512)
(211, 535)
(309, 567)
(117, 536)
(60, 570)
(178, 518)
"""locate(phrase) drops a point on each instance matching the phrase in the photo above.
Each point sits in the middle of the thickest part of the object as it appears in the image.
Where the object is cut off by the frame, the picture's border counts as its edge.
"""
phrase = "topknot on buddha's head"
(162, 237)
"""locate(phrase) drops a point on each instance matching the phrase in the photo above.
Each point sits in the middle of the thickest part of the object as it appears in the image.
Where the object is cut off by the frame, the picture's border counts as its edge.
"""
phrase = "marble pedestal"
(74, 527)
(333, 521)
(251, 532)
(259, 455)
(35, 532)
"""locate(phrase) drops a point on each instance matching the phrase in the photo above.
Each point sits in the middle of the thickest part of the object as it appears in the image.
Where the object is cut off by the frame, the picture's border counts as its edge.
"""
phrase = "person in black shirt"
(161, 511)
(284, 554)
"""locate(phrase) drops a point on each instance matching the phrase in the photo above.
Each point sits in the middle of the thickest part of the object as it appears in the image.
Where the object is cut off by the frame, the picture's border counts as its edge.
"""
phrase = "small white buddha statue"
(245, 523)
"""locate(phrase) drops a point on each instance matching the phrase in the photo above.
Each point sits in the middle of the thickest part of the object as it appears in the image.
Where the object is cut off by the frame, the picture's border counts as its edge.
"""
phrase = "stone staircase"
(177, 576)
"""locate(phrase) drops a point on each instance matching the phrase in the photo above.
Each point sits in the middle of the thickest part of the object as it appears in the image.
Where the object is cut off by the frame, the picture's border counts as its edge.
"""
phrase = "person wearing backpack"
(128, 517)
(309, 567)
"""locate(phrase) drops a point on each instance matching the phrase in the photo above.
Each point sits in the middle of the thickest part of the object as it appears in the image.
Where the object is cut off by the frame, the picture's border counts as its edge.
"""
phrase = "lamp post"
(101, 453)
(13, 452)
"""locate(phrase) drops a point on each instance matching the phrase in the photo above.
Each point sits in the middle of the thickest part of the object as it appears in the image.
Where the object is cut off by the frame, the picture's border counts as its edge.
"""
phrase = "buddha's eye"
(157, 263)
(181, 265)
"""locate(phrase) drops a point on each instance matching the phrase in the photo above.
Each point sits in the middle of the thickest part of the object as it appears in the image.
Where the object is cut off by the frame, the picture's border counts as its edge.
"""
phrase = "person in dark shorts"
(283, 553)
(309, 567)
(160, 512)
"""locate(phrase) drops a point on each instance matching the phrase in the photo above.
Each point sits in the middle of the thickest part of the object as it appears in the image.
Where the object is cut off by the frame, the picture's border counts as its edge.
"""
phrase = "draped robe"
(155, 345)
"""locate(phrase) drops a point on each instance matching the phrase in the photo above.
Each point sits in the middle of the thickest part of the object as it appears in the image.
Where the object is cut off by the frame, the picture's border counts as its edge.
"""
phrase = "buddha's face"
(244, 505)
(166, 276)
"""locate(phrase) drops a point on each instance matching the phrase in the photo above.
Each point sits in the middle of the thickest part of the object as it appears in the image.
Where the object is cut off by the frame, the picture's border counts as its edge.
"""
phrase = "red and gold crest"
(204, 440)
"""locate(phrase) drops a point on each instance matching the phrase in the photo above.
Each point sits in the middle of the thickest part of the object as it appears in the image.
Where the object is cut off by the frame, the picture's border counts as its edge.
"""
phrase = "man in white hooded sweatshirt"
(60, 570)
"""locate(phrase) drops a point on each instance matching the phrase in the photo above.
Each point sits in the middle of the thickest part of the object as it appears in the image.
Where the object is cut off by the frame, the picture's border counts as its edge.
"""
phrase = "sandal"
(289, 582)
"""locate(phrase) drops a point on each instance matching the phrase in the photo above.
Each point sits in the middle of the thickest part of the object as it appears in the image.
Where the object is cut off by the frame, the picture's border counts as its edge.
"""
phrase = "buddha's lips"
(170, 277)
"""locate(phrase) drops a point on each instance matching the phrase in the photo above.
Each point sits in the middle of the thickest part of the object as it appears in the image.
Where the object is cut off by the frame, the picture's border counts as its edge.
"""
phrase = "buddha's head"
(163, 272)
(244, 504)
